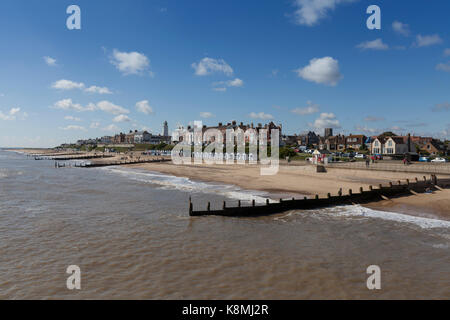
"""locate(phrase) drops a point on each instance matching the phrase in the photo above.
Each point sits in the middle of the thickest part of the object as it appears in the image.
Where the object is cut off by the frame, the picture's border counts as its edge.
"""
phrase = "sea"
(129, 233)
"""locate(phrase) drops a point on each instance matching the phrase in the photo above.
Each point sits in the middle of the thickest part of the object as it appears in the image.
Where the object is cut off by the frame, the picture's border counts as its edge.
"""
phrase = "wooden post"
(329, 195)
(267, 202)
(424, 178)
(239, 203)
(435, 180)
(253, 202)
(370, 188)
(191, 207)
(208, 208)
(407, 182)
(305, 198)
(350, 192)
(361, 189)
(417, 180)
(399, 182)
(390, 184)
(317, 197)
(381, 186)
(281, 200)
(340, 192)
(224, 205)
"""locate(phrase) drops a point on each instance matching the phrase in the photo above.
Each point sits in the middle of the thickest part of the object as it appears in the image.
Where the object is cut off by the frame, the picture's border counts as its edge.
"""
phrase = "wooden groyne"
(361, 196)
(77, 157)
(118, 163)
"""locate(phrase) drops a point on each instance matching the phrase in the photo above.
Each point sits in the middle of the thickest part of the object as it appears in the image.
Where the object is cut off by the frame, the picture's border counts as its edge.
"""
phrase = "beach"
(299, 181)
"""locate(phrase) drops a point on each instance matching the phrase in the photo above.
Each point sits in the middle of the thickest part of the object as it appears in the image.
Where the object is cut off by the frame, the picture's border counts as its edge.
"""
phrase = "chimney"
(252, 125)
(234, 122)
(242, 124)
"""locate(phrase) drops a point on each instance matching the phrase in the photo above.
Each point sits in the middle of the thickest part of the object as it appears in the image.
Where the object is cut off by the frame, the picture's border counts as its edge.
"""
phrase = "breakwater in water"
(361, 196)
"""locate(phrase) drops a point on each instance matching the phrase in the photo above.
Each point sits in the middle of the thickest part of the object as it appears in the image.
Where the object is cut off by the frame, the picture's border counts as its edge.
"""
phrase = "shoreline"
(303, 181)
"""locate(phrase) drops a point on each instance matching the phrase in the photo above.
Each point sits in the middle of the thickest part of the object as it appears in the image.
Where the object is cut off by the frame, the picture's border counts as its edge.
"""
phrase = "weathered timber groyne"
(77, 157)
(119, 163)
(359, 197)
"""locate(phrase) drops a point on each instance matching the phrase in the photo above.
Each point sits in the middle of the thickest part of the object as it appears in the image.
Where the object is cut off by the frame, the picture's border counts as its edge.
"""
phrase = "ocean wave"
(187, 185)
(363, 212)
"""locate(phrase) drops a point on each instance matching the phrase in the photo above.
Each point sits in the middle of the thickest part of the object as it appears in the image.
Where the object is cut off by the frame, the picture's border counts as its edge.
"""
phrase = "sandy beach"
(303, 180)
(429, 205)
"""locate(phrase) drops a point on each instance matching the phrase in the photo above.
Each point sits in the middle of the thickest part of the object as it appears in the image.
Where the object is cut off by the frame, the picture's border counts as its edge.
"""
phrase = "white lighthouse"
(166, 129)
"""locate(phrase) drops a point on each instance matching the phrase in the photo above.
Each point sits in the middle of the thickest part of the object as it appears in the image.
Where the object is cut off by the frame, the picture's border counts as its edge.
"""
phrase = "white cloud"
(208, 66)
(443, 67)
(321, 70)
(109, 107)
(71, 118)
(94, 125)
(11, 115)
(67, 85)
(326, 120)
(309, 12)
(122, 118)
(70, 85)
(261, 115)
(309, 109)
(105, 106)
(99, 90)
(235, 83)
(206, 115)
(367, 130)
(144, 107)
(373, 45)
(14, 111)
(74, 127)
(130, 62)
(401, 28)
(447, 52)
(50, 61)
(111, 128)
(68, 104)
(222, 85)
(425, 41)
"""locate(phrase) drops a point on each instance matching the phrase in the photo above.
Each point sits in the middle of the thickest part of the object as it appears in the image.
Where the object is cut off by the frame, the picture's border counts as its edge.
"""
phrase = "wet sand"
(434, 205)
(303, 180)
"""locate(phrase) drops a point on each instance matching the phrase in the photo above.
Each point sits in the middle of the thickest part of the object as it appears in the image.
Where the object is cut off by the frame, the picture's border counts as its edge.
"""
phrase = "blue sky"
(306, 64)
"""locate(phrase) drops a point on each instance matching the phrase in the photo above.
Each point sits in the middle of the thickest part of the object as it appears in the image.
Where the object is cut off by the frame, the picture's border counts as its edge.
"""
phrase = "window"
(390, 143)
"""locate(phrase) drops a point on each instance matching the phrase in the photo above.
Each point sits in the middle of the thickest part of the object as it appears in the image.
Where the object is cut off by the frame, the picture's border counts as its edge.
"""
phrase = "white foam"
(359, 211)
(188, 185)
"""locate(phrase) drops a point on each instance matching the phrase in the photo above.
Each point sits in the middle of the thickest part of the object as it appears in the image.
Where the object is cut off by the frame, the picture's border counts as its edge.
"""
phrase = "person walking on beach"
(367, 162)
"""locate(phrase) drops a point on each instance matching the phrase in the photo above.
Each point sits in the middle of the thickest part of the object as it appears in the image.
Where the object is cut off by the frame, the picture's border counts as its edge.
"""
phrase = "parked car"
(438, 159)
(360, 156)
(378, 157)
(424, 159)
